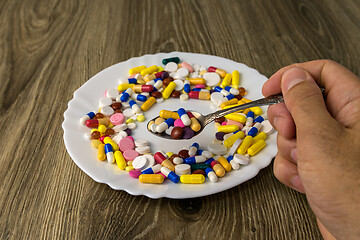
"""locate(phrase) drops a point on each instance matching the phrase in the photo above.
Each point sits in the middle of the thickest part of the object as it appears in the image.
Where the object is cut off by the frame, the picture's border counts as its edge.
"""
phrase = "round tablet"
(182, 72)
(117, 138)
(217, 148)
(131, 126)
(117, 119)
(130, 154)
(134, 173)
(150, 160)
(141, 142)
(143, 149)
(171, 67)
(212, 79)
(179, 85)
(140, 162)
(126, 144)
(107, 111)
(181, 169)
(105, 101)
(112, 93)
(217, 98)
(128, 113)
(267, 127)
(241, 159)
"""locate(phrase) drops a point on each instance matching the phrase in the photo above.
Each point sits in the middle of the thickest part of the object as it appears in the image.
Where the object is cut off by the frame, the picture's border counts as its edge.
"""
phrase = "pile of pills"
(239, 136)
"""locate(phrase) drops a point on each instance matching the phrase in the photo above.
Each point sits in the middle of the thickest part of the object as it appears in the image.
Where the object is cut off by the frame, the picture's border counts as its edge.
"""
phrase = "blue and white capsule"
(152, 170)
(109, 153)
(233, 164)
(193, 149)
(221, 90)
(209, 160)
(88, 116)
(229, 97)
(199, 90)
(184, 116)
(211, 174)
(126, 94)
(249, 119)
(254, 130)
(132, 80)
(165, 125)
(139, 97)
(135, 107)
(194, 160)
(187, 87)
(259, 119)
(170, 174)
(204, 153)
(232, 90)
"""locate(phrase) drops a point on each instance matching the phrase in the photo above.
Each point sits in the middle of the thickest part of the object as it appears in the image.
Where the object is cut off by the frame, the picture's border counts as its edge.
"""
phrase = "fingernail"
(293, 154)
(292, 77)
(297, 184)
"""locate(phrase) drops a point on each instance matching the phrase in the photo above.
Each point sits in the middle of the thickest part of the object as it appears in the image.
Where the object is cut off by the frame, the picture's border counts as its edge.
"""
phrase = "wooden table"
(50, 48)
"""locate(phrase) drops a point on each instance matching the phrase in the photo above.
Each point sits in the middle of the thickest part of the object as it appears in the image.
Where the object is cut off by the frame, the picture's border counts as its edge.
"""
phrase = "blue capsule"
(108, 148)
(139, 97)
(253, 131)
(194, 160)
(230, 96)
(132, 80)
(187, 87)
(259, 119)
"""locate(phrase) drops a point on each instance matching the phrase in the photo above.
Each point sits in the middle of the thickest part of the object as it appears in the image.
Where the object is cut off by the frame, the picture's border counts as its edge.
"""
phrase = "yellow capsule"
(129, 168)
(101, 152)
(255, 148)
(219, 170)
(260, 136)
(151, 178)
(228, 103)
(136, 69)
(245, 144)
(168, 114)
(221, 72)
(150, 77)
(96, 143)
(112, 143)
(226, 165)
(124, 86)
(148, 104)
(111, 125)
(101, 128)
(160, 69)
(226, 81)
(159, 120)
(149, 70)
(228, 128)
(129, 120)
(191, 178)
(245, 111)
(167, 163)
(120, 160)
(129, 163)
(140, 118)
(140, 81)
(239, 117)
(235, 79)
(197, 81)
(195, 125)
(232, 139)
(168, 90)
(169, 154)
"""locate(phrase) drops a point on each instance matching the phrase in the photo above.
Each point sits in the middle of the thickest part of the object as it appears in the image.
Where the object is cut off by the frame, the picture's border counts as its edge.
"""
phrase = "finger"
(287, 173)
(287, 148)
(281, 119)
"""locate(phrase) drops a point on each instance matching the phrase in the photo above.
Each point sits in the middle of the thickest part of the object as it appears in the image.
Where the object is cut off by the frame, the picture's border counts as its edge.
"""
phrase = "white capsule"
(153, 127)
(160, 100)
(242, 159)
(192, 151)
(110, 157)
(249, 121)
(162, 127)
(184, 97)
(212, 176)
(206, 154)
(234, 165)
(178, 160)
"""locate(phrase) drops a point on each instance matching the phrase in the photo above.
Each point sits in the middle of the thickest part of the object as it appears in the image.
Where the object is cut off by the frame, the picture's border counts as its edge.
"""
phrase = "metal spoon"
(205, 120)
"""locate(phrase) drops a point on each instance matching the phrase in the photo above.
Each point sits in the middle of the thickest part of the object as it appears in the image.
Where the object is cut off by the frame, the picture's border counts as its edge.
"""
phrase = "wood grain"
(48, 49)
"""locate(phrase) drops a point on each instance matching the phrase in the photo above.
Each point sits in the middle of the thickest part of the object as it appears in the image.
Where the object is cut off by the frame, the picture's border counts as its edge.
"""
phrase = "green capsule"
(173, 59)
(201, 166)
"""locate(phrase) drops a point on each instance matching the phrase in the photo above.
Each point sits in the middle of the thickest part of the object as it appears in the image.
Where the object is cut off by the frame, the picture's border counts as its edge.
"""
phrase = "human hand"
(319, 142)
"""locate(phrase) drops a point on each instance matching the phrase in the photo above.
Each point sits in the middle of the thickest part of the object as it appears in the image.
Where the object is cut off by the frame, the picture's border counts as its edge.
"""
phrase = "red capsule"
(94, 123)
(199, 95)
(143, 88)
(158, 74)
(211, 69)
(159, 157)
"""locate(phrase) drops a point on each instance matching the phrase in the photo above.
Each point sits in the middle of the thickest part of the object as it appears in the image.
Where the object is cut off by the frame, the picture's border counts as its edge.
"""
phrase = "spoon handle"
(273, 99)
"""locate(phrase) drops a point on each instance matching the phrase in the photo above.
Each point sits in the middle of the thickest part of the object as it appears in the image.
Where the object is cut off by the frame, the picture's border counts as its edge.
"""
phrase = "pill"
(187, 66)
(130, 154)
(172, 59)
(177, 160)
(177, 133)
(143, 88)
(192, 178)
(117, 118)
(255, 148)
(136, 69)
(249, 119)
(165, 125)
(211, 175)
(184, 117)
(224, 163)
(239, 117)
(195, 125)
(222, 91)
(226, 81)
(101, 152)
(168, 90)
(228, 142)
(139, 163)
(233, 164)
(88, 116)
(235, 146)
(148, 104)
(267, 127)
(245, 144)
(152, 170)
(218, 168)
(193, 149)
(219, 71)
(241, 159)
(134, 173)
(212, 79)
(170, 174)
(188, 133)
(181, 169)
(126, 143)
(151, 178)
(194, 160)
(120, 160)
(113, 144)
(109, 153)
(149, 70)
(235, 78)
(199, 95)
(171, 67)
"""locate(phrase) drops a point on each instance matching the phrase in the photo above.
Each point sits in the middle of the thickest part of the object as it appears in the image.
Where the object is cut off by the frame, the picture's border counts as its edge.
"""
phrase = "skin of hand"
(319, 141)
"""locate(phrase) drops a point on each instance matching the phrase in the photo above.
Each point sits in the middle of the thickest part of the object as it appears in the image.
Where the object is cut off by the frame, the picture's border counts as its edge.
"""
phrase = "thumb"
(304, 100)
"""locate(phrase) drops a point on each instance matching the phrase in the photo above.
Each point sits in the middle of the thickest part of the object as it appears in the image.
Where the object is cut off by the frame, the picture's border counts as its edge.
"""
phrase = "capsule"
(168, 114)
(126, 94)
(260, 136)
(199, 95)
(229, 97)
(132, 80)
(187, 87)
(201, 166)
(165, 125)
(148, 104)
(192, 178)
(226, 165)
(226, 81)
(204, 153)
(139, 97)
(235, 79)
(109, 153)
(194, 160)
(222, 91)
(143, 88)
(120, 160)
(218, 169)
(94, 123)
(101, 152)
(168, 90)
(88, 116)
(162, 74)
(211, 175)
(245, 144)
(229, 103)
(255, 148)
(151, 178)
(254, 130)
(233, 164)
(231, 140)
(195, 125)
(152, 170)
(134, 107)
(228, 128)
(124, 86)
(197, 81)
(259, 119)
(112, 143)
(219, 71)
(232, 90)
(239, 117)
(170, 174)
(136, 69)
(184, 117)
(172, 59)
(159, 157)
(149, 70)
(193, 149)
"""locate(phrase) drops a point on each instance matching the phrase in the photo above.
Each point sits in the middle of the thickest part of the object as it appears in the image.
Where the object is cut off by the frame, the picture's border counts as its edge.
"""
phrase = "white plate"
(86, 99)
